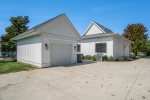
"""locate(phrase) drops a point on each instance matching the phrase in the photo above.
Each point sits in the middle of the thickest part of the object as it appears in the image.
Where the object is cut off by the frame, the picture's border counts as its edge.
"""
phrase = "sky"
(113, 14)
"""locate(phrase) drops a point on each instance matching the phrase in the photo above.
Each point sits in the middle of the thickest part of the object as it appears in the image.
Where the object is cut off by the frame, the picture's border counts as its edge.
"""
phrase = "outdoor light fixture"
(46, 46)
(75, 48)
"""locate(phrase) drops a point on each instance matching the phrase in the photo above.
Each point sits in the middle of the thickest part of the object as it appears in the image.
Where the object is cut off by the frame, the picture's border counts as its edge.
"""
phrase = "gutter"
(25, 35)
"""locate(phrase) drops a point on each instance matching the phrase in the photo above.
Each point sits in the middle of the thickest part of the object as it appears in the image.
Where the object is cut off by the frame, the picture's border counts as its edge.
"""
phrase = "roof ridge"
(37, 26)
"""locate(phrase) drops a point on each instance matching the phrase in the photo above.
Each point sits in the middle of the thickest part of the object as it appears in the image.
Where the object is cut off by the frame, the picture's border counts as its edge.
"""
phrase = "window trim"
(100, 51)
(79, 47)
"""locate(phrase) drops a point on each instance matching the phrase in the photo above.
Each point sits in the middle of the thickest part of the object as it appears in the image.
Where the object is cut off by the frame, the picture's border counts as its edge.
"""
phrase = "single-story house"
(99, 40)
(52, 43)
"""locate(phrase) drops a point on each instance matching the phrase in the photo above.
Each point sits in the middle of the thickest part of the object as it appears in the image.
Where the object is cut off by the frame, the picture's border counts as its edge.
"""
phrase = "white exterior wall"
(121, 47)
(29, 50)
(59, 30)
(88, 46)
(94, 30)
(46, 53)
(60, 27)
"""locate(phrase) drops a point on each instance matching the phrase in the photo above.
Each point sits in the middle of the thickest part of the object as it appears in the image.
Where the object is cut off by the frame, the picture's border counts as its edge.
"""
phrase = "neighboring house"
(52, 43)
(99, 40)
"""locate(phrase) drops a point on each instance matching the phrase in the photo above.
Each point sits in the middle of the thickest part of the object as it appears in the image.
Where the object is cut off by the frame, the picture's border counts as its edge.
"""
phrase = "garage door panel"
(60, 54)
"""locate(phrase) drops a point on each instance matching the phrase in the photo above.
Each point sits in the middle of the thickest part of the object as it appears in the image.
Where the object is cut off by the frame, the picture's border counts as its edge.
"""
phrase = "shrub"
(132, 56)
(129, 59)
(137, 57)
(88, 57)
(148, 53)
(93, 58)
(141, 54)
(122, 58)
(105, 58)
(111, 58)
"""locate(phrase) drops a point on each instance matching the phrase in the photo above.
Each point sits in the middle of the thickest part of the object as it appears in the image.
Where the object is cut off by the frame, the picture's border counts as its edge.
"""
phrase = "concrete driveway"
(97, 81)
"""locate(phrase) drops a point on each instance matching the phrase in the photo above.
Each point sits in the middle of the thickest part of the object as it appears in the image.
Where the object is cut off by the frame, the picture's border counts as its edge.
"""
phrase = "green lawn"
(7, 66)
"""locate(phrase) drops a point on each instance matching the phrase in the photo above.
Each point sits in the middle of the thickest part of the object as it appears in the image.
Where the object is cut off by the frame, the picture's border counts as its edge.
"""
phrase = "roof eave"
(124, 38)
(25, 36)
(98, 36)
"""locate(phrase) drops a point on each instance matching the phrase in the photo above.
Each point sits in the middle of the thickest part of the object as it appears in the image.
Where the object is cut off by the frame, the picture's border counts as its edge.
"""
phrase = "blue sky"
(114, 14)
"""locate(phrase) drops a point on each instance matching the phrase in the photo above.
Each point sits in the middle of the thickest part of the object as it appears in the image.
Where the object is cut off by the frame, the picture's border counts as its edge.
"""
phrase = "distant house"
(99, 40)
(52, 43)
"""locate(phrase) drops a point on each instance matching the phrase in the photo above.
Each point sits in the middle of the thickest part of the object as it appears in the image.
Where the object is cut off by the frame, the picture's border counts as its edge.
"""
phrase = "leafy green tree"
(137, 34)
(18, 26)
(148, 52)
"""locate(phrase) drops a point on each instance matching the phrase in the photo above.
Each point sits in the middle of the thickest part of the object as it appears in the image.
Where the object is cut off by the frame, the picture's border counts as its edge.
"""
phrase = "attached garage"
(52, 43)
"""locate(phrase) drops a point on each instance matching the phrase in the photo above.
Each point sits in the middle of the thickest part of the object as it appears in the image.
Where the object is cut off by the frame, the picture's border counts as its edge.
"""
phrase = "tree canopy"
(18, 26)
(137, 34)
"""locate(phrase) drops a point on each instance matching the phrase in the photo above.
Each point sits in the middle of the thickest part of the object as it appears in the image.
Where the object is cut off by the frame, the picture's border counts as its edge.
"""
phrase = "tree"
(148, 52)
(18, 26)
(137, 34)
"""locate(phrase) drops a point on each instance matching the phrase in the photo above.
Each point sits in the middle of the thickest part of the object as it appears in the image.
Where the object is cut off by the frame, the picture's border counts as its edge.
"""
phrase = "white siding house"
(101, 40)
(52, 43)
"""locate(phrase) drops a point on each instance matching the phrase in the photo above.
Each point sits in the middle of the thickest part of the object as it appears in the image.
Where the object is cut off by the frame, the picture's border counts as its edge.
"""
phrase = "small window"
(78, 48)
(100, 47)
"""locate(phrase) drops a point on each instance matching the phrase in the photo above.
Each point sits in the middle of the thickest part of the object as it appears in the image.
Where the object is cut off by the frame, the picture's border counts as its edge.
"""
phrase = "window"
(100, 47)
(78, 48)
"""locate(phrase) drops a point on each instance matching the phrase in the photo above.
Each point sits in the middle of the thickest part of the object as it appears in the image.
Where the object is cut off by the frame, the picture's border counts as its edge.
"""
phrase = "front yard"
(7, 66)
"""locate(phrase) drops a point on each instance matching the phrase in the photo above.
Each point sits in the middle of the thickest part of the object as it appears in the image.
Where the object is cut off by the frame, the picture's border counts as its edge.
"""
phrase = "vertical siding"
(93, 30)
(88, 46)
(119, 49)
(46, 53)
(29, 50)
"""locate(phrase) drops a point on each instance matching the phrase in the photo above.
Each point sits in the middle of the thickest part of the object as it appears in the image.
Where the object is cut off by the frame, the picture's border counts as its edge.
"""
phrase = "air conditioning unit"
(99, 57)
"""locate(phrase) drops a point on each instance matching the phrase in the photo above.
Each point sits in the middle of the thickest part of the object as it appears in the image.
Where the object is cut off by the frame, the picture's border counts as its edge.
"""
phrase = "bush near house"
(89, 57)
(122, 58)
(7, 66)
(111, 58)
(148, 53)
(93, 58)
(105, 58)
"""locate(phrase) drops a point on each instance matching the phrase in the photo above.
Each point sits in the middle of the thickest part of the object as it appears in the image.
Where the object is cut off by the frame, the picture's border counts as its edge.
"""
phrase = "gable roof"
(31, 32)
(102, 28)
(105, 29)
(105, 33)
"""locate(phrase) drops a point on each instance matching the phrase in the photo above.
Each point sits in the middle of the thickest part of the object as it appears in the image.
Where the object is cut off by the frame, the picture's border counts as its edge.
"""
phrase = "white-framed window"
(100, 47)
(78, 48)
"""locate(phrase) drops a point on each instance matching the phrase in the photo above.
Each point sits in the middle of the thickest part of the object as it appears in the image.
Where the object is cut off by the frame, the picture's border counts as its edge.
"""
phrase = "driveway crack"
(60, 90)
(139, 73)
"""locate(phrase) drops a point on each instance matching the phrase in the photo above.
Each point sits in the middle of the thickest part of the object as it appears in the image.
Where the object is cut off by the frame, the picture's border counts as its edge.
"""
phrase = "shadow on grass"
(7, 61)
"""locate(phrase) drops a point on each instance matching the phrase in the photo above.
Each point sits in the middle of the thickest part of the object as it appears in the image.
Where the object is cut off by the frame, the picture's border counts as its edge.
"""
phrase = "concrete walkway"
(97, 81)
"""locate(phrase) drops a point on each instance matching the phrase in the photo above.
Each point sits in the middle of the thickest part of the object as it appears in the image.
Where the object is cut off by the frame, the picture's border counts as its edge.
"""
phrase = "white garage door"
(60, 54)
